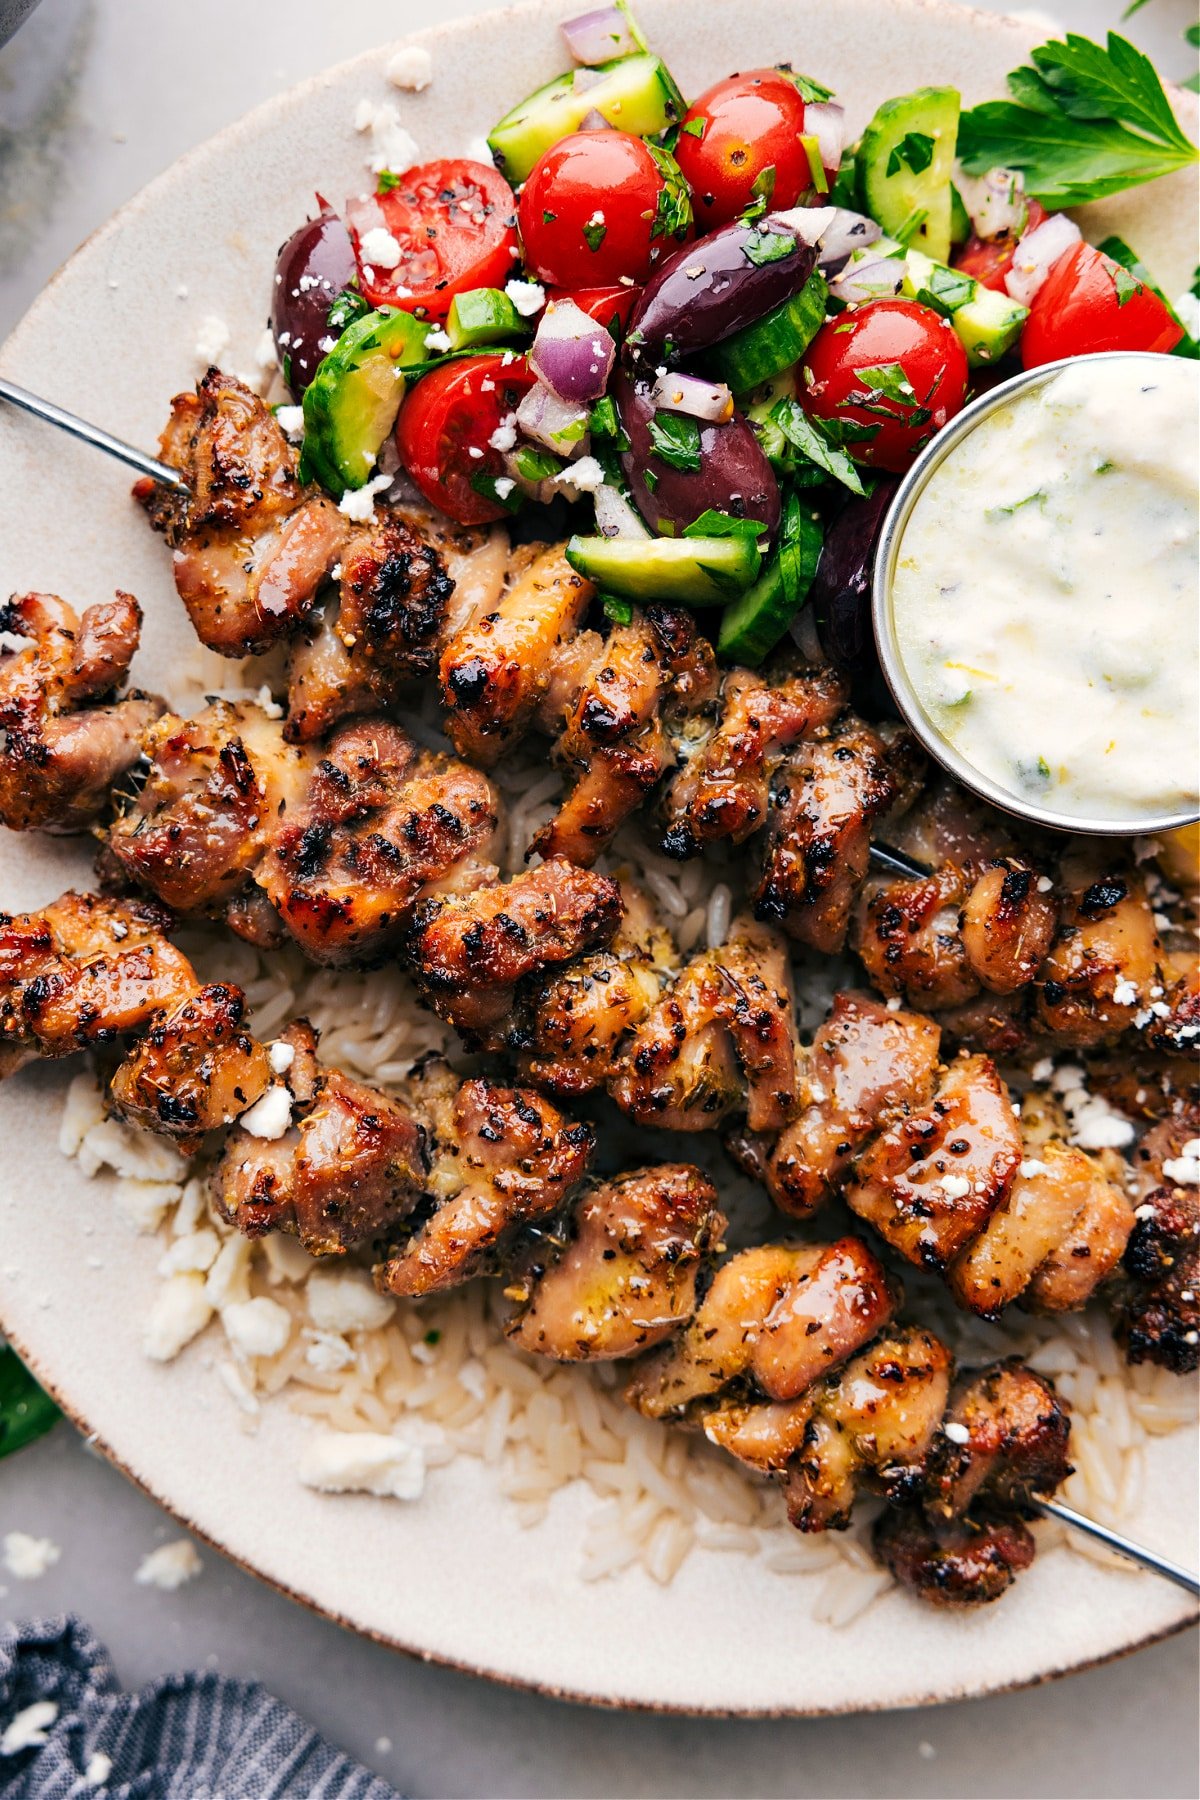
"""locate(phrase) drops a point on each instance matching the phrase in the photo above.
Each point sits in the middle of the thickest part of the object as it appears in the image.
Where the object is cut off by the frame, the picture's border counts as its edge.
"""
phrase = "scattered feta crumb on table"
(212, 338)
(27, 1729)
(27, 1557)
(411, 68)
(169, 1566)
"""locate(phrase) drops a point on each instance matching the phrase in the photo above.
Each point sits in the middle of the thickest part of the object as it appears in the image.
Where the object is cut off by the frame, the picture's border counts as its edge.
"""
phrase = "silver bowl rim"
(903, 690)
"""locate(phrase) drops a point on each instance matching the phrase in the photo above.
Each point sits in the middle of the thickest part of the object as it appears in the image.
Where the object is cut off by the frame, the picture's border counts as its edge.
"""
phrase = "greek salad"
(707, 326)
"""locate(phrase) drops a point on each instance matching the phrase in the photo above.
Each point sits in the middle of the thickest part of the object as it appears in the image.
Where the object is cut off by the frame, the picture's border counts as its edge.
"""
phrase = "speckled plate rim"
(40, 867)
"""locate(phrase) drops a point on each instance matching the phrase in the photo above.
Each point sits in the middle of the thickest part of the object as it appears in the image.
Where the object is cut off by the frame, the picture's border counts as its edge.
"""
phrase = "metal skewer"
(92, 434)
(1149, 1559)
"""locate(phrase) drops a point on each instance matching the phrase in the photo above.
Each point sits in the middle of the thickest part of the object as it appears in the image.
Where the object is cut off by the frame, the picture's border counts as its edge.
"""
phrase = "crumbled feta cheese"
(1146, 1211)
(339, 1462)
(344, 1300)
(503, 486)
(1044, 884)
(1183, 1170)
(958, 1434)
(411, 67)
(98, 1769)
(27, 1729)
(82, 1109)
(169, 1566)
(286, 1260)
(955, 1187)
(391, 146)
(359, 503)
(281, 1057)
(895, 1003)
(528, 297)
(264, 354)
(130, 1153)
(271, 1114)
(504, 438)
(1102, 1130)
(1031, 1166)
(181, 1310)
(1124, 993)
(12, 643)
(437, 339)
(195, 1253)
(212, 338)
(327, 1351)
(144, 1203)
(229, 1278)
(1043, 1069)
(290, 420)
(585, 476)
(181, 292)
(379, 248)
(28, 1557)
(258, 1327)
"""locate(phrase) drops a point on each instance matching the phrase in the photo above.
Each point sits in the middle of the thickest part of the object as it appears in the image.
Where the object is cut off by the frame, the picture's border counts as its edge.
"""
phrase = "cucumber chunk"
(636, 95)
(773, 342)
(754, 624)
(987, 322)
(483, 316)
(695, 571)
(352, 401)
(960, 218)
(905, 161)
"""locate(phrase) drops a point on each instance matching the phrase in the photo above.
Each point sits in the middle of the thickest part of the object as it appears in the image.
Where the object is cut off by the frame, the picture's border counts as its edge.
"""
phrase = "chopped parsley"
(386, 182)
(763, 247)
(348, 306)
(673, 209)
(914, 151)
(762, 188)
(694, 127)
(675, 439)
(595, 232)
(605, 423)
(945, 290)
(25, 1411)
(619, 611)
(815, 444)
(712, 524)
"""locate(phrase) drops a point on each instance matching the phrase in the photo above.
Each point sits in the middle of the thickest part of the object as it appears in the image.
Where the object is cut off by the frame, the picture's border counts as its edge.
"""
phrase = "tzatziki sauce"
(1046, 591)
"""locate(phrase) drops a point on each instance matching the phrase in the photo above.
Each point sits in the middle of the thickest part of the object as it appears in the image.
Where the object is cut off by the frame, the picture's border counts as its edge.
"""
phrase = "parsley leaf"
(25, 1411)
(386, 182)
(816, 445)
(1084, 122)
(348, 306)
(694, 127)
(768, 247)
(945, 290)
(605, 423)
(673, 209)
(1118, 251)
(619, 611)
(512, 499)
(914, 151)
(762, 187)
(805, 86)
(712, 523)
(595, 232)
(1126, 284)
(676, 439)
(800, 541)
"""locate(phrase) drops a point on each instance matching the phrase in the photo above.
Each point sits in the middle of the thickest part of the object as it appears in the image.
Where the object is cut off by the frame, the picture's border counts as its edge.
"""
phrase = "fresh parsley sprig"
(1085, 121)
(25, 1411)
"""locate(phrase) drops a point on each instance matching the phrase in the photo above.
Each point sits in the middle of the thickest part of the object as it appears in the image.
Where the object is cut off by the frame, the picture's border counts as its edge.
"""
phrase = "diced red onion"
(709, 400)
(583, 79)
(571, 353)
(869, 280)
(543, 414)
(597, 37)
(1036, 254)
(803, 633)
(826, 121)
(845, 233)
(806, 223)
(615, 517)
(542, 491)
(996, 202)
(595, 121)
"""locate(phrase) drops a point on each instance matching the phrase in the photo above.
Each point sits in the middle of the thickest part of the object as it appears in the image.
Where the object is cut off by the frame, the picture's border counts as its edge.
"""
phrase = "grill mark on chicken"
(66, 737)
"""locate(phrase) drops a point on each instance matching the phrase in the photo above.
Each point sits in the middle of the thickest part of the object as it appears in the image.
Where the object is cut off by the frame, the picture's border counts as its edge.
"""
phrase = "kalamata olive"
(311, 270)
(734, 476)
(720, 284)
(840, 595)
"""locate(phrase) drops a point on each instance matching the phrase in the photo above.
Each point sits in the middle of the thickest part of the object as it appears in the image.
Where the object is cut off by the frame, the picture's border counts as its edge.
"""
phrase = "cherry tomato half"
(990, 259)
(453, 223)
(1088, 303)
(598, 206)
(609, 306)
(449, 413)
(732, 135)
(889, 373)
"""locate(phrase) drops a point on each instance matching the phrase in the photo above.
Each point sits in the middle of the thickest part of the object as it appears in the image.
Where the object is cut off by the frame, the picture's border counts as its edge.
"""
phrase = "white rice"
(443, 1368)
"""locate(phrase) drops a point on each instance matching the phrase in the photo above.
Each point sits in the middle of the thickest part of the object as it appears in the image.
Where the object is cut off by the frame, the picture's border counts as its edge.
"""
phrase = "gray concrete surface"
(95, 98)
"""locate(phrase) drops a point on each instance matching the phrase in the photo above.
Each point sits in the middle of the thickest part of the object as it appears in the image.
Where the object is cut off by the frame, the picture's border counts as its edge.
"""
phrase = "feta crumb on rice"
(257, 1327)
(180, 1312)
(367, 1462)
(170, 1566)
(344, 1300)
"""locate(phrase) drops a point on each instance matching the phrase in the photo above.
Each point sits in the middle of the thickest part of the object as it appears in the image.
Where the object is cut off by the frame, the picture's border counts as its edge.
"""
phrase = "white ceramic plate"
(452, 1578)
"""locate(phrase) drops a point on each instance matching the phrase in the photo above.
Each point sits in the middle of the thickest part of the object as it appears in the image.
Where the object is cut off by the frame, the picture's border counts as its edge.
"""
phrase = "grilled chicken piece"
(471, 953)
(499, 1158)
(218, 783)
(496, 668)
(1106, 959)
(870, 1425)
(350, 1164)
(64, 740)
(615, 736)
(618, 1273)
(251, 545)
(731, 748)
(828, 796)
(776, 1319)
(1059, 1231)
(195, 1068)
(1005, 1439)
(952, 1562)
(569, 1035)
(723, 1036)
(1159, 1317)
(930, 1182)
(383, 630)
(866, 1069)
(382, 824)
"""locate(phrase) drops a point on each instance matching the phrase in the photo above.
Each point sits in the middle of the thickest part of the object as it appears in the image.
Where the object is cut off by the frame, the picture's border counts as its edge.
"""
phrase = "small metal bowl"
(903, 691)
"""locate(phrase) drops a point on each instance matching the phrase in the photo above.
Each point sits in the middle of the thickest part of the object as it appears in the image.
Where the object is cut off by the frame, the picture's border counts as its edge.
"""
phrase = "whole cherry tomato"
(451, 226)
(599, 205)
(733, 135)
(990, 259)
(1088, 303)
(884, 377)
(609, 306)
(443, 433)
